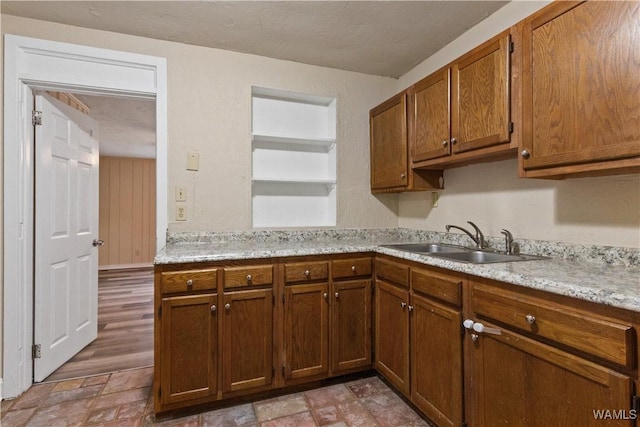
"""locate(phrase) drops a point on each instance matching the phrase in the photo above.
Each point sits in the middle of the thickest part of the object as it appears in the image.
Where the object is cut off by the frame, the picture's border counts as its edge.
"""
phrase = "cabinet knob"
(227, 306)
(325, 295)
(530, 318)
(213, 308)
(337, 294)
(410, 308)
(445, 142)
(475, 337)
(525, 154)
(307, 273)
(402, 176)
(189, 283)
(353, 268)
(403, 305)
(249, 278)
(453, 140)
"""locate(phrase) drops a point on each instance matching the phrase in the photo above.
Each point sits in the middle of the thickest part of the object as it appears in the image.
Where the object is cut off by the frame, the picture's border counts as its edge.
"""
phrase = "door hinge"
(160, 311)
(283, 298)
(36, 118)
(282, 371)
(159, 391)
(511, 47)
(510, 127)
(273, 300)
(635, 405)
(36, 351)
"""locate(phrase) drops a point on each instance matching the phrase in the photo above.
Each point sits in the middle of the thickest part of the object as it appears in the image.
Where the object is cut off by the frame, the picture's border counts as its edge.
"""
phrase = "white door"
(66, 225)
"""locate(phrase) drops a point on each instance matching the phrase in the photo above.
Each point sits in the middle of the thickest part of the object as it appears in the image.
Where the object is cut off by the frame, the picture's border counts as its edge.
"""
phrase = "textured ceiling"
(385, 38)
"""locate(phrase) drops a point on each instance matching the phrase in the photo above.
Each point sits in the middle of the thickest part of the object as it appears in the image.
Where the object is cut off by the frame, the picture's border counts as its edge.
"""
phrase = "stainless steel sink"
(484, 257)
(426, 247)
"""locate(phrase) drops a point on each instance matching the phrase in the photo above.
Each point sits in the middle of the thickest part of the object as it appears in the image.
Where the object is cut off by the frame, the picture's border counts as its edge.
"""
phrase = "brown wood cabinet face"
(351, 325)
(305, 330)
(350, 268)
(189, 348)
(520, 382)
(392, 334)
(436, 361)
(237, 277)
(247, 330)
(306, 271)
(481, 97)
(189, 280)
(389, 152)
(431, 116)
(580, 86)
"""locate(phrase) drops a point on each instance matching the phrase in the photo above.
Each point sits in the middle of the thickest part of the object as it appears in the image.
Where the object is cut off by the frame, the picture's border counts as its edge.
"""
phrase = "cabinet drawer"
(189, 280)
(305, 271)
(440, 286)
(603, 337)
(345, 268)
(396, 273)
(235, 277)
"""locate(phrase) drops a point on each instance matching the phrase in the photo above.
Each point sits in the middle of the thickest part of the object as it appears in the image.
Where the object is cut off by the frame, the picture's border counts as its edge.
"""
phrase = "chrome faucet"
(508, 241)
(478, 239)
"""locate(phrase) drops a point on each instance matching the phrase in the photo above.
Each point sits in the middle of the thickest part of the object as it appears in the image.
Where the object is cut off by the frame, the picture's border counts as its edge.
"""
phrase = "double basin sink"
(458, 253)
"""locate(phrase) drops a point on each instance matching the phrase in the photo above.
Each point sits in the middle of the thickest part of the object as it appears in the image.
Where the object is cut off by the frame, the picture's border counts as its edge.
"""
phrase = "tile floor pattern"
(123, 399)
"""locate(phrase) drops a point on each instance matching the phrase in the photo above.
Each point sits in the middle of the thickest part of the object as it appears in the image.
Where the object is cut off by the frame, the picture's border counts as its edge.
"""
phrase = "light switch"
(193, 161)
(181, 194)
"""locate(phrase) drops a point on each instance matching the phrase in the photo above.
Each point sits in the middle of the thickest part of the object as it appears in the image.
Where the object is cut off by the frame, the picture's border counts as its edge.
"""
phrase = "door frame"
(31, 64)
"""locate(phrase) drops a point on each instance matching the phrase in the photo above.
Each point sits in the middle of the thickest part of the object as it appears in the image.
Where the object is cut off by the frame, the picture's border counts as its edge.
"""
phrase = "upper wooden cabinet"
(462, 112)
(389, 151)
(581, 90)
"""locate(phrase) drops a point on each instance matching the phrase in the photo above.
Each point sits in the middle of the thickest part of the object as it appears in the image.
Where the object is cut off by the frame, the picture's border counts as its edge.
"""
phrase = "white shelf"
(293, 159)
(326, 143)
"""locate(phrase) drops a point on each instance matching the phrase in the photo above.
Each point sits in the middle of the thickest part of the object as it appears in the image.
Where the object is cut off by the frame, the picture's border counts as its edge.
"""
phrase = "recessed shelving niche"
(293, 159)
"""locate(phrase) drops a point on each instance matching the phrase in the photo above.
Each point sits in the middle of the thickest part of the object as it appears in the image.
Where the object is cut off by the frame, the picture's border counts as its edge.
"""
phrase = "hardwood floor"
(125, 326)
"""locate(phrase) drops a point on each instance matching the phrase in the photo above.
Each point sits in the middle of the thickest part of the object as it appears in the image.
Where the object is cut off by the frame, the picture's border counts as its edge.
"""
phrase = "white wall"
(602, 211)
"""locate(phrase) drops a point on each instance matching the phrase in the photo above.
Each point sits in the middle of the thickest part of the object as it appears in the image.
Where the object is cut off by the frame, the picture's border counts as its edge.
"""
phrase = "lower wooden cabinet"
(306, 328)
(247, 343)
(189, 363)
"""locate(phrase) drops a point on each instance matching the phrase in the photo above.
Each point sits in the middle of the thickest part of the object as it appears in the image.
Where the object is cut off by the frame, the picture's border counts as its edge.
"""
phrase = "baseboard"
(125, 266)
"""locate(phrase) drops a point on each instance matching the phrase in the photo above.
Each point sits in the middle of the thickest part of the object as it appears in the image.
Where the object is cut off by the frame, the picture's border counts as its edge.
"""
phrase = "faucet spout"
(478, 239)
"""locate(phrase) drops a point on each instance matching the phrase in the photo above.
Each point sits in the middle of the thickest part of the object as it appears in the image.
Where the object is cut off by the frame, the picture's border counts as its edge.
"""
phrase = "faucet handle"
(508, 240)
(479, 235)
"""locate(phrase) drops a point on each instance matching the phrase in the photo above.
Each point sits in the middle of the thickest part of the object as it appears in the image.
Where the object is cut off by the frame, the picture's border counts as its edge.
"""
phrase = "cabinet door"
(580, 84)
(189, 348)
(306, 330)
(481, 97)
(392, 334)
(351, 325)
(431, 125)
(436, 361)
(388, 133)
(521, 382)
(247, 331)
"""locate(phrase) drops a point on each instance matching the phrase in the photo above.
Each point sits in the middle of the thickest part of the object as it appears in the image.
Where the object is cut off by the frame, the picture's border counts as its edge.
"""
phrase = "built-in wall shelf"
(293, 159)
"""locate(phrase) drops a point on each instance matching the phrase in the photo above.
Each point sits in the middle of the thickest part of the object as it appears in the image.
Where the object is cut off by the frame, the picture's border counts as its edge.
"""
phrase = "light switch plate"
(181, 194)
(193, 161)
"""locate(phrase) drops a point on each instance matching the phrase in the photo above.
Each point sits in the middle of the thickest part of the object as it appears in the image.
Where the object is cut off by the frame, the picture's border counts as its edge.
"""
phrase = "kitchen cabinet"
(350, 315)
(580, 84)
(306, 320)
(389, 150)
(462, 112)
(530, 346)
(392, 323)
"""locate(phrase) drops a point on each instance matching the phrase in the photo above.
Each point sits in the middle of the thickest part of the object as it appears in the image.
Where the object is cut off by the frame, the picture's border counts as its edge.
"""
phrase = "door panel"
(66, 223)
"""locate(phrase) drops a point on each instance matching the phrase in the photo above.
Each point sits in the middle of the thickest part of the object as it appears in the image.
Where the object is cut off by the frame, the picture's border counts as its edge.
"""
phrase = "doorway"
(45, 65)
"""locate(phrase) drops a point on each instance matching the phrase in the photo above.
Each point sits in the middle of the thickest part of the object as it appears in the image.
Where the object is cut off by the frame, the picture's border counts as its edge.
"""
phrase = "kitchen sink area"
(462, 254)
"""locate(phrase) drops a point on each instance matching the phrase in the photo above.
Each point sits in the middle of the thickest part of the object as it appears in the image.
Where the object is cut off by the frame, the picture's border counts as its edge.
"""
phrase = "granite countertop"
(598, 280)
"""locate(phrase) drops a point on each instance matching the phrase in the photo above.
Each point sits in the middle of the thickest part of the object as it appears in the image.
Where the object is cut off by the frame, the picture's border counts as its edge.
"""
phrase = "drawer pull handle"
(307, 273)
(213, 308)
(481, 329)
(249, 278)
(189, 283)
(403, 305)
(227, 306)
(353, 268)
(530, 318)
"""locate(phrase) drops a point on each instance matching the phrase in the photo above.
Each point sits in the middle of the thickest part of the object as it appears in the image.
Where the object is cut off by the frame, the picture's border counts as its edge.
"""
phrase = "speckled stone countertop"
(605, 275)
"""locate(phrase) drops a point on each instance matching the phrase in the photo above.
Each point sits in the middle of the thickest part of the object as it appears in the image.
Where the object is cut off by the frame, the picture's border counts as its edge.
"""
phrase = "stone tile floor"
(123, 399)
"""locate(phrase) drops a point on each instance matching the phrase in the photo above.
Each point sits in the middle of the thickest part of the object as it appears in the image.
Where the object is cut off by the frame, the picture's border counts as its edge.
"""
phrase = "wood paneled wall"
(127, 211)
